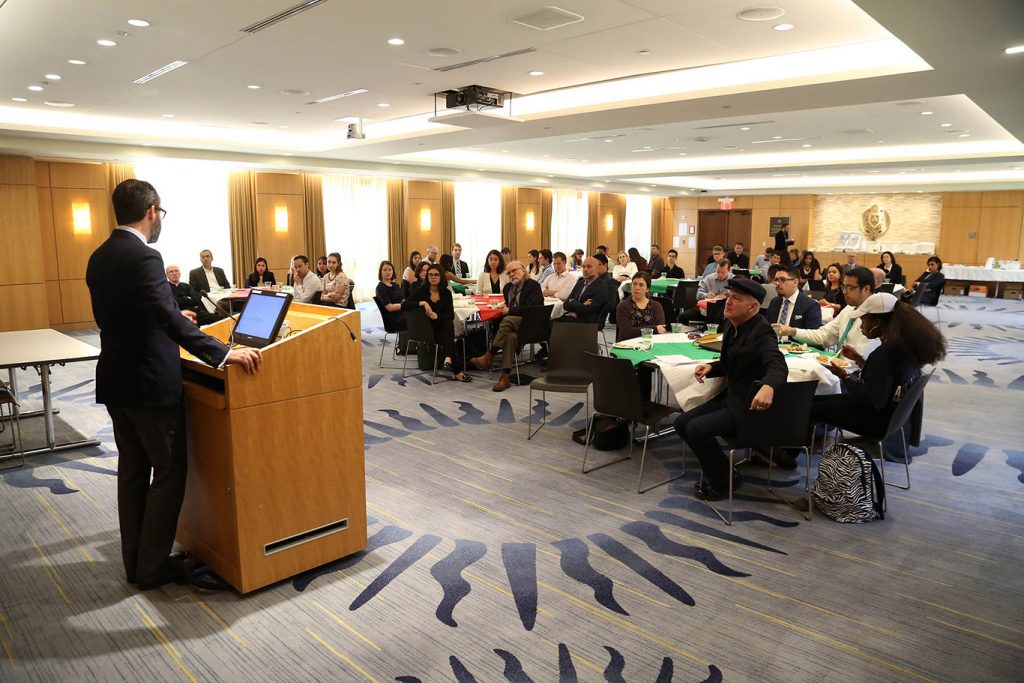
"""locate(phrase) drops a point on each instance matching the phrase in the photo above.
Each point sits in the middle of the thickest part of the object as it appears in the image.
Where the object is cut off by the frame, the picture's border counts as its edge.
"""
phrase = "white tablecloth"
(974, 273)
(466, 309)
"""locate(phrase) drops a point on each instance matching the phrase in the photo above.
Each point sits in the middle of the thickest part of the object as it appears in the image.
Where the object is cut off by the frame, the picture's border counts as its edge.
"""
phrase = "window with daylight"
(569, 215)
(356, 226)
(638, 223)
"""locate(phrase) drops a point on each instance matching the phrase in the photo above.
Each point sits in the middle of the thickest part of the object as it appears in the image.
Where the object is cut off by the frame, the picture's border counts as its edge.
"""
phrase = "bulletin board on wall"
(777, 223)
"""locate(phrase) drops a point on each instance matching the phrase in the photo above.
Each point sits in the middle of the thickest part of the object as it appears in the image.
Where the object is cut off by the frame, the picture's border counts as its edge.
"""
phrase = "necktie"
(784, 313)
(842, 338)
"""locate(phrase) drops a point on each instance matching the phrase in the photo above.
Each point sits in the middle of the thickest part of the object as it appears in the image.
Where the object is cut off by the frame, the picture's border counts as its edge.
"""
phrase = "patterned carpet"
(493, 559)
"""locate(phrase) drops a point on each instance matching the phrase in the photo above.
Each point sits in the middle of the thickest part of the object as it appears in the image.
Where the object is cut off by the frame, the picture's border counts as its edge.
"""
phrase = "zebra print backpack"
(849, 488)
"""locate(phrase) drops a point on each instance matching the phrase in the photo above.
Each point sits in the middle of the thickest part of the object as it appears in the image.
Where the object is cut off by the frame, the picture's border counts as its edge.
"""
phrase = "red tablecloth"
(483, 306)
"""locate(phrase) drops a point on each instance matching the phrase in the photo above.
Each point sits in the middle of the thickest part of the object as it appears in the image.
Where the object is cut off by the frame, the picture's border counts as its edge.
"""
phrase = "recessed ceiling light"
(57, 103)
(396, 41)
(927, 113)
(19, 99)
(293, 91)
(879, 141)
(253, 86)
(546, 156)
(258, 123)
(331, 98)
(783, 27)
(682, 154)
(167, 116)
(964, 135)
(534, 73)
(286, 154)
(1015, 50)
(52, 77)
(106, 43)
(551, 175)
(443, 52)
(945, 125)
(643, 53)
(805, 145)
(776, 137)
(141, 23)
(77, 62)
(744, 127)
(609, 140)
(504, 151)
(147, 144)
(165, 69)
(35, 88)
(383, 104)
(282, 126)
(653, 185)
(761, 13)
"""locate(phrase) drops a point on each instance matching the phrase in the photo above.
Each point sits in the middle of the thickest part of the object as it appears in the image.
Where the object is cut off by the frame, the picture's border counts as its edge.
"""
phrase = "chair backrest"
(616, 387)
(915, 300)
(667, 307)
(716, 311)
(388, 327)
(351, 302)
(685, 296)
(816, 294)
(569, 345)
(905, 407)
(535, 326)
(816, 286)
(316, 299)
(786, 423)
(887, 287)
(418, 326)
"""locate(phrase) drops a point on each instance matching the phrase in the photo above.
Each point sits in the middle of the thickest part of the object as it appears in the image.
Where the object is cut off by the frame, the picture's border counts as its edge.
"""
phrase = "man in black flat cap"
(750, 353)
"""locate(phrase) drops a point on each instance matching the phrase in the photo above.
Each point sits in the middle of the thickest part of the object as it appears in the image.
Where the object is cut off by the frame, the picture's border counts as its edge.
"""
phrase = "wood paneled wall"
(274, 190)
(23, 300)
(977, 225)
(679, 210)
(613, 206)
(65, 254)
(423, 195)
(528, 199)
(799, 209)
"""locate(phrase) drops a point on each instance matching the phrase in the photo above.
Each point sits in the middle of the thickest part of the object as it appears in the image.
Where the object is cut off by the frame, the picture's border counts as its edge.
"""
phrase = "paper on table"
(679, 360)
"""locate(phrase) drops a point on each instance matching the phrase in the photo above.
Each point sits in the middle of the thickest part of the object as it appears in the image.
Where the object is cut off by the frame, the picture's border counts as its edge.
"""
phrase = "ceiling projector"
(470, 107)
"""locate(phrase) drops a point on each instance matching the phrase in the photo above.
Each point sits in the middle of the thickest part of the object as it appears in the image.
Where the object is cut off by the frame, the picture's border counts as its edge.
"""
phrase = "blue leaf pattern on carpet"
(386, 536)
(373, 381)
(438, 416)
(613, 672)
(540, 412)
(695, 506)
(520, 561)
(513, 667)
(967, 458)
(566, 669)
(25, 478)
(471, 415)
(666, 672)
(505, 413)
(462, 674)
(576, 565)
(1015, 459)
(84, 467)
(410, 423)
(982, 379)
(1017, 384)
(641, 567)
(656, 540)
(387, 429)
(409, 557)
(953, 377)
(676, 520)
(448, 573)
(565, 417)
(714, 675)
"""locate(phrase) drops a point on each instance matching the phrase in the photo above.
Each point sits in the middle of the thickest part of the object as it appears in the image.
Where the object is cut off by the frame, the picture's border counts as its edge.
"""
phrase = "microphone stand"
(232, 316)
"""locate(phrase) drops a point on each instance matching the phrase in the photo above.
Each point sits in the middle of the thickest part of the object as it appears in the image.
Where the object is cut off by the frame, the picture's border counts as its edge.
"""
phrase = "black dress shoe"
(209, 581)
(705, 491)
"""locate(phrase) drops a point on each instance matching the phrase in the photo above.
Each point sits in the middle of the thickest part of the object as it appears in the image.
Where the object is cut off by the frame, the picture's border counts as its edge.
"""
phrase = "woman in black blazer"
(435, 299)
(893, 270)
(260, 275)
(834, 285)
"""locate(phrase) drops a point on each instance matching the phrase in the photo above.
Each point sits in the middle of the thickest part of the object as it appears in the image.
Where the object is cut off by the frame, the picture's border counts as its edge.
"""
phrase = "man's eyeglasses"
(849, 288)
(782, 280)
(163, 212)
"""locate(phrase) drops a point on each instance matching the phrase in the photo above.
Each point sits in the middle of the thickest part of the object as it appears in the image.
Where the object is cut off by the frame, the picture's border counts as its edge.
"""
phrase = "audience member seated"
(506, 255)
(336, 283)
(544, 258)
(769, 287)
(764, 260)
(671, 268)
(908, 341)
(834, 285)
(207, 276)
(931, 281)
(712, 288)
(794, 257)
(602, 249)
(460, 269)
(409, 274)
(792, 307)
(845, 327)
(750, 353)
(623, 273)
(717, 254)
(809, 269)
(493, 279)
(447, 264)
(893, 270)
(306, 285)
(589, 297)
(390, 295)
(638, 311)
(432, 254)
(260, 276)
(851, 261)
(533, 266)
(188, 298)
(436, 301)
(321, 267)
(520, 292)
(421, 277)
(577, 259)
(604, 277)
(656, 263)
(561, 281)
(636, 258)
(737, 258)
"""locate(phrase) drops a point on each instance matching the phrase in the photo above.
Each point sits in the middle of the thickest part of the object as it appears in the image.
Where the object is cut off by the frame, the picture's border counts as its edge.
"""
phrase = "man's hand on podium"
(249, 359)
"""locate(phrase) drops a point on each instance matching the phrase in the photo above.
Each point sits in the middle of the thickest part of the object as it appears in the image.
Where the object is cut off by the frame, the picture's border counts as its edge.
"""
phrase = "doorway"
(716, 226)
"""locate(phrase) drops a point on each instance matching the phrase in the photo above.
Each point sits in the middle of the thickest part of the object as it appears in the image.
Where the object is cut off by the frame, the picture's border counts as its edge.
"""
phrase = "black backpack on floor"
(849, 487)
(607, 434)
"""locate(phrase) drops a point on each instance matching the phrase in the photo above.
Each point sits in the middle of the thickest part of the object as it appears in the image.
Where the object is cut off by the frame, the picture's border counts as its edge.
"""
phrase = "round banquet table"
(479, 308)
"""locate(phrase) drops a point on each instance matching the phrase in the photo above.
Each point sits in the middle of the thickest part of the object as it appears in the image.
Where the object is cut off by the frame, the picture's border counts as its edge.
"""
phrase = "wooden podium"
(276, 480)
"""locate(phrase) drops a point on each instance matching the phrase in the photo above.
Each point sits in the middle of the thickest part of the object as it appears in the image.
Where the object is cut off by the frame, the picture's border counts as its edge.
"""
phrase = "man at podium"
(138, 378)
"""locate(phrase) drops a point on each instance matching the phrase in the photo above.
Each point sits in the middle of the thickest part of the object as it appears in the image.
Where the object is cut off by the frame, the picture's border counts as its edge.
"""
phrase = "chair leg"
(530, 431)
(383, 345)
(433, 377)
(405, 360)
(586, 450)
(643, 456)
(17, 445)
(807, 483)
(728, 521)
(906, 462)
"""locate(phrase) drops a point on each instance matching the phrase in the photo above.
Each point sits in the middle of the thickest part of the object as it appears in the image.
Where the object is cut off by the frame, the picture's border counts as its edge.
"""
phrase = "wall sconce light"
(280, 219)
(530, 223)
(609, 222)
(81, 218)
(425, 220)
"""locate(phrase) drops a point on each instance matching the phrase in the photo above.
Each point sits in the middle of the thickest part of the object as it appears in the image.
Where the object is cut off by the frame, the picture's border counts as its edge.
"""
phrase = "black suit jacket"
(530, 295)
(187, 298)
(750, 353)
(806, 312)
(141, 326)
(197, 278)
(738, 260)
(254, 280)
(596, 294)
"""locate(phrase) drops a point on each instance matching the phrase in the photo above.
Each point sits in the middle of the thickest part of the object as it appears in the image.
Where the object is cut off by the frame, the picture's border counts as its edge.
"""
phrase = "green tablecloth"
(688, 349)
(661, 285)
(459, 289)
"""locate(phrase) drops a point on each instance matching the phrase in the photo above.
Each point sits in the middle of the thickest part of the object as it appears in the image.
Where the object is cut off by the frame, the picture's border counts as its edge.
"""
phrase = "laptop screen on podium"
(262, 318)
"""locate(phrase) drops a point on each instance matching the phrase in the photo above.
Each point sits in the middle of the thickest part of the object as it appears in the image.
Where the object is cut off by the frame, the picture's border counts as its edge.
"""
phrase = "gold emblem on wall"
(874, 222)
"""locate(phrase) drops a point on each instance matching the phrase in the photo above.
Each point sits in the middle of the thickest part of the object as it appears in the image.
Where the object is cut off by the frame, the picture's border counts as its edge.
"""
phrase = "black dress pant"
(444, 336)
(151, 473)
(698, 428)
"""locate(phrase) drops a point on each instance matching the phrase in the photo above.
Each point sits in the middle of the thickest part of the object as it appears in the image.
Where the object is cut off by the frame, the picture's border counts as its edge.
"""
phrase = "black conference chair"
(816, 286)
(568, 370)
(420, 332)
(535, 328)
(716, 312)
(388, 329)
(667, 307)
(887, 287)
(685, 296)
(786, 424)
(617, 394)
(915, 301)
(351, 302)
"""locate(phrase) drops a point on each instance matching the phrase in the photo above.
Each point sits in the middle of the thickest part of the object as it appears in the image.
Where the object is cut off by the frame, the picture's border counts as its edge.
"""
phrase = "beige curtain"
(508, 218)
(657, 208)
(117, 173)
(593, 221)
(313, 206)
(447, 216)
(242, 214)
(545, 218)
(397, 247)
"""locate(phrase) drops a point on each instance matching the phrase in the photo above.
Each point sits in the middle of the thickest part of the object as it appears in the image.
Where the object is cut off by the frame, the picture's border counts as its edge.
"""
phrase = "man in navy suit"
(793, 308)
(588, 299)
(138, 378)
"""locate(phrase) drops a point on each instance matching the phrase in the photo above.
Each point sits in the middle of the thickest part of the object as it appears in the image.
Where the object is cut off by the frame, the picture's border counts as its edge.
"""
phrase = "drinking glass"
(712, 328)
(647, 333)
